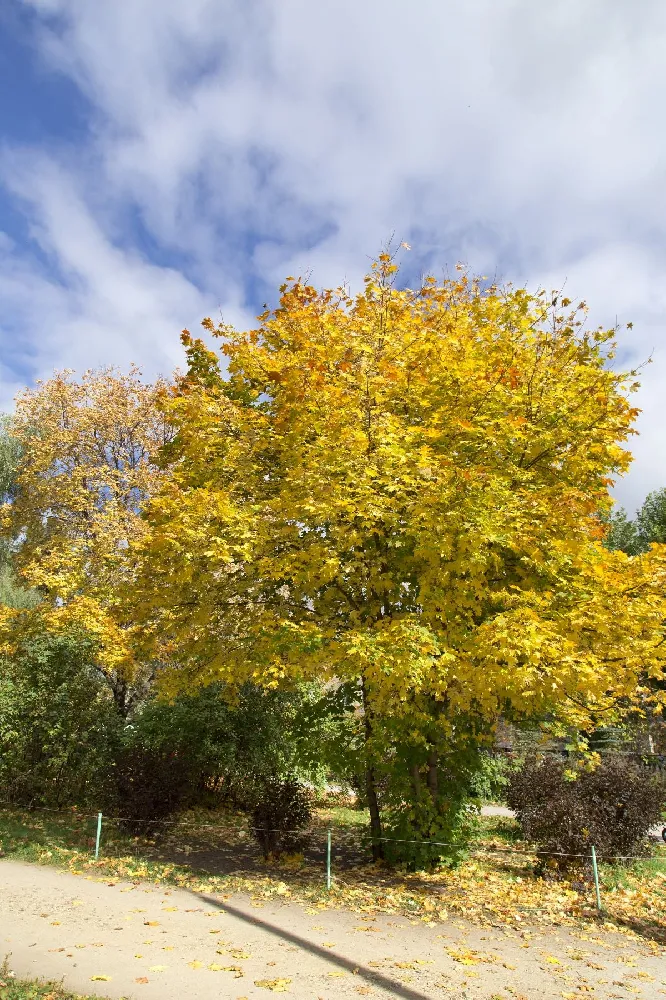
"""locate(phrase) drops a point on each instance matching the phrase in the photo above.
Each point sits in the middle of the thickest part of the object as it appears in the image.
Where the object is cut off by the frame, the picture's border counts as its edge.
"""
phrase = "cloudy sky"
(161, 160)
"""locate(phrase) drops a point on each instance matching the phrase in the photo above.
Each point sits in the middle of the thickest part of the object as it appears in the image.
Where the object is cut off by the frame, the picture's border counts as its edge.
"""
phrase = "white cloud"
(104, 305)
(260, 139)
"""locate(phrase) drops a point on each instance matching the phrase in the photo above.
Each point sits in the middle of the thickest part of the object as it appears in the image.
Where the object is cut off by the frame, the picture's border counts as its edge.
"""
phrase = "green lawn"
(33, 989)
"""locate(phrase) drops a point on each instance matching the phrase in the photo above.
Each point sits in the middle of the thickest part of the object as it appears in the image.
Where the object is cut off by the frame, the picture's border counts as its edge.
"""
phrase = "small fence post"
(99, 834)
(595, 871)
(328, 859)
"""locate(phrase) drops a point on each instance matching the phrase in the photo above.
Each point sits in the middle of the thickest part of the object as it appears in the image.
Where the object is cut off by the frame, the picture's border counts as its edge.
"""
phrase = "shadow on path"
(369, 975)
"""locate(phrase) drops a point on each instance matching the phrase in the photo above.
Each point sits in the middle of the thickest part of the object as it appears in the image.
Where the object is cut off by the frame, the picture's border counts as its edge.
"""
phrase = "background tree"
(635, 537)
(12, 594)
(398, 492)
(651, 519)
(648, 527)
(84, 455)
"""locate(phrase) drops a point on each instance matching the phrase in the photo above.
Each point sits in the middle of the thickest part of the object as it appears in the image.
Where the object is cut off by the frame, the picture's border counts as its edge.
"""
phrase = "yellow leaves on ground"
(100, 979)
(276, 985)
(236, 969)
(479, 889)
(469, 956)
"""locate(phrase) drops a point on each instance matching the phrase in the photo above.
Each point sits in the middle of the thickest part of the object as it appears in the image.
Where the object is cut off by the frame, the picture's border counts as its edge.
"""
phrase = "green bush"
(414, 812)
(151, 786)
(58, 729)
(489, 783)
(612, 808)
(232, 747)
(283, 809)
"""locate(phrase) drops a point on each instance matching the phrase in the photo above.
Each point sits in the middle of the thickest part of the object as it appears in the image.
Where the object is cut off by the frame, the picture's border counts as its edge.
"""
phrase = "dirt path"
(161, 944)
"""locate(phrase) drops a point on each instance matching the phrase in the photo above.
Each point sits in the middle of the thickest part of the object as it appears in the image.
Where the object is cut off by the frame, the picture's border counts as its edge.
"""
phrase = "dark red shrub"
(612, 808)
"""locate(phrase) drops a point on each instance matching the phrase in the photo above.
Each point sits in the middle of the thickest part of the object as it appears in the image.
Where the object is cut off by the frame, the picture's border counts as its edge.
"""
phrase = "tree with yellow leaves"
(401, 491)
(86, 468)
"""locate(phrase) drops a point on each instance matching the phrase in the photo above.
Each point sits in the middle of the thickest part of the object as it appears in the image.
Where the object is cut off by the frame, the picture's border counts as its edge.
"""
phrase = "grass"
(33, 989)
(496, 884)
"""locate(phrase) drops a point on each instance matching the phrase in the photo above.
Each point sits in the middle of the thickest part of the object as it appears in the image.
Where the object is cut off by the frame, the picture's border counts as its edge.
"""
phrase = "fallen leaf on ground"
(236, 969)
(276, 985)
(142, 979)
(101, 979)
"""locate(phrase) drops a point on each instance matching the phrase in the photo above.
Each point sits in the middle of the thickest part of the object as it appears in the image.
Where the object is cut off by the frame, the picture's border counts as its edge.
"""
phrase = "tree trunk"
(375, 816)
(371, 785)
(416, 782)
(433, 783)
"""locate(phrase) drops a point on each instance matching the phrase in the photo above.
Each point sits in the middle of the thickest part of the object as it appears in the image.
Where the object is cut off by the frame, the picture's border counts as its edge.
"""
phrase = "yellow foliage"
(405, 487)
(87, 467)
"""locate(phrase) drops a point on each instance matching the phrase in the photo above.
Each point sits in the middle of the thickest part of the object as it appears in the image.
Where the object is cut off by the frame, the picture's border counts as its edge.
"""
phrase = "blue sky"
(162, 160)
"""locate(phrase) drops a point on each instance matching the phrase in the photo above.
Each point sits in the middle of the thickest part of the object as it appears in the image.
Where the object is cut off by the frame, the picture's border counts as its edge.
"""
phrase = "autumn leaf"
(237, 971)
(276, 985)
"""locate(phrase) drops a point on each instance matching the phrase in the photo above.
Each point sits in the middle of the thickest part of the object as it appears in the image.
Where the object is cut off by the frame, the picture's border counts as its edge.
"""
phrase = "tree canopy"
(401, 489)
(84, 464)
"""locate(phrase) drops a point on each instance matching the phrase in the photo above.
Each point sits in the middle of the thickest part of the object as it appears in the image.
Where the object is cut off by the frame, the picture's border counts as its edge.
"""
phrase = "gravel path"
(162, 944)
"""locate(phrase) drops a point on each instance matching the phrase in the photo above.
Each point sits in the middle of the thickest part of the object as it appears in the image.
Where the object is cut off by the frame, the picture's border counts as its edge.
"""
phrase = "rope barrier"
(365, 835)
